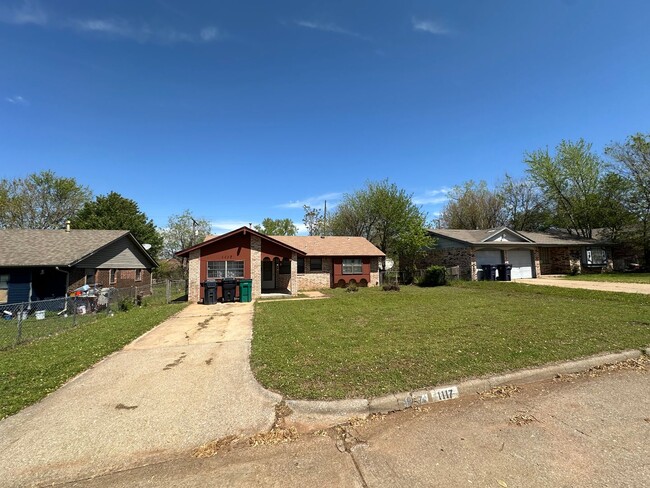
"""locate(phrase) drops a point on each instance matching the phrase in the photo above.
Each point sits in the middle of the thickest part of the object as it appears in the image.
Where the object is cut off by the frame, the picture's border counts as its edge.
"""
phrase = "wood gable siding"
(121, 254)
(443, 243)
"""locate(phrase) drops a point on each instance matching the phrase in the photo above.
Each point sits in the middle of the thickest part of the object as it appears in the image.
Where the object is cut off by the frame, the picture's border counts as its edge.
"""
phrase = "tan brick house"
(286, 264)
(531, 254)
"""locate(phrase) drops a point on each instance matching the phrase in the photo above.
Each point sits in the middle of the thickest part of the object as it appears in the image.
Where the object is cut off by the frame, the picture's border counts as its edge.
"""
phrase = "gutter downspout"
(67, 278)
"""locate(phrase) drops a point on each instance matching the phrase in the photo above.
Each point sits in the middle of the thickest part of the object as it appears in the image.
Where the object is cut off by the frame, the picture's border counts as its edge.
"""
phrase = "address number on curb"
(442, 394)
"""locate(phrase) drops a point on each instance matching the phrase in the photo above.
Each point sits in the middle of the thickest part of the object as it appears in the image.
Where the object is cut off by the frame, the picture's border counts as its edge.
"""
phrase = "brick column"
(256, 266)
(194, 277)
(293, 284)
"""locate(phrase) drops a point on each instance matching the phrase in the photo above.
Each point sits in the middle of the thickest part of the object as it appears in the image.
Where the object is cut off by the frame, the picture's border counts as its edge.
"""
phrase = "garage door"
(522, 263)
(486, 257)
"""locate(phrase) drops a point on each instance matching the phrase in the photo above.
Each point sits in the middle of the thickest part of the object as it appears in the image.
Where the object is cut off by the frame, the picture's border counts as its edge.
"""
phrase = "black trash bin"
(489, 272)
(508, 272)
(229, 287)
(210, 293)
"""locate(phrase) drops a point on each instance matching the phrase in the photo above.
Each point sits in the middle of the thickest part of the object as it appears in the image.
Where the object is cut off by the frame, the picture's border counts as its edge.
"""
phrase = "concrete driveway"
(590, 285)
(186, 382)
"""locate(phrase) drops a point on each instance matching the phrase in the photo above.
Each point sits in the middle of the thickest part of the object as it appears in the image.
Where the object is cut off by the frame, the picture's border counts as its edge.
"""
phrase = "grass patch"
(31, 371)
(371, 343)
(613, 277)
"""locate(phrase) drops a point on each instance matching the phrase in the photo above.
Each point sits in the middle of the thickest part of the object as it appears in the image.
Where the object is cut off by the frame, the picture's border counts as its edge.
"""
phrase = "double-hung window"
(352, 266)
(225, 269)
(4, 288)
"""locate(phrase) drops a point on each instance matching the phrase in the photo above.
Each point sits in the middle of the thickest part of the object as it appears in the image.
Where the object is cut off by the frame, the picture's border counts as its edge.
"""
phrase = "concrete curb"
(328, 413)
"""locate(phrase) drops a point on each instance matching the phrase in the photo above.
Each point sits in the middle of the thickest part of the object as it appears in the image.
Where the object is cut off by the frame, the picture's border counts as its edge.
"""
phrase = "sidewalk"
(589, 285)
(186, 382)
(578, 431)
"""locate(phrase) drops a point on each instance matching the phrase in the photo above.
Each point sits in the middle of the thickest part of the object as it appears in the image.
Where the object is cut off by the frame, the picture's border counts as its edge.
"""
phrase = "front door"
(268, 275)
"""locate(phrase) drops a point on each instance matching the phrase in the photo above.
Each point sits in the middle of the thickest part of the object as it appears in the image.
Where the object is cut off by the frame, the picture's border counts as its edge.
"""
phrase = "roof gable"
(38, 247)
(506, 235)
(241, 230)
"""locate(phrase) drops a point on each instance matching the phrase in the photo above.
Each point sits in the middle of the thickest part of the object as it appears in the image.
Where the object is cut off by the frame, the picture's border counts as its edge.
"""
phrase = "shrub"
(575, 270)
(125, 304)
(390, 287)
(434, 276)
(352, 287)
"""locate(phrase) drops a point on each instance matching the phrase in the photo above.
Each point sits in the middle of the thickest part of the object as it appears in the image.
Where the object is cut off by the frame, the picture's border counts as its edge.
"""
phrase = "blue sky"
(240, 110)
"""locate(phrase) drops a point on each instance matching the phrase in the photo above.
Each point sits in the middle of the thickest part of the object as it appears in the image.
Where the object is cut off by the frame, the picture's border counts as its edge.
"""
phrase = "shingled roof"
(35, 247)
(331, 245)
(551, 238)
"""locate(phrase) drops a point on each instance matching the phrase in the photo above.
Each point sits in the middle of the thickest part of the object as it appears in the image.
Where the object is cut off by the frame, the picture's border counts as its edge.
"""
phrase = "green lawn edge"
(31, 371)
(371, 343)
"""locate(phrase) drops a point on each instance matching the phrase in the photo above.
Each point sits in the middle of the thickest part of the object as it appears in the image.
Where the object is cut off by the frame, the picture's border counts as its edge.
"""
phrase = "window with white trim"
(90, 276)
(112, 276)
(138, 274)
(596, 256)
(352, 266)
(225, 269)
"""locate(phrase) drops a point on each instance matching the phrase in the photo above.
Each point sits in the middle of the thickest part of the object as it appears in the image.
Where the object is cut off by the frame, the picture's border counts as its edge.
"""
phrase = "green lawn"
(615, 277)
(31, 371)
(373, 342)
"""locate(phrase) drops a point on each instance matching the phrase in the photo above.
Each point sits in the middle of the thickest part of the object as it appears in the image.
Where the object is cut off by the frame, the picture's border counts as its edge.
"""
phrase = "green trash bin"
(245, 290)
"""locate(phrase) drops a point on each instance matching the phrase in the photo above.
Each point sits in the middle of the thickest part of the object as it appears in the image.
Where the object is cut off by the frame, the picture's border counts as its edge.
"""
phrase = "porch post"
(293, 284)
(256, 266)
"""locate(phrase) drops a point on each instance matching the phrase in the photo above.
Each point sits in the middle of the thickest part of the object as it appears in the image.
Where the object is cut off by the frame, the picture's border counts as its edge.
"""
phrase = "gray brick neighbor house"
(531, 254)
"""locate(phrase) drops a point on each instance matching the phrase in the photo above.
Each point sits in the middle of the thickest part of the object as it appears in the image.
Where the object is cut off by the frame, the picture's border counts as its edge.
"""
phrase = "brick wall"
(463, 257)
(315, 280)
(194, 276)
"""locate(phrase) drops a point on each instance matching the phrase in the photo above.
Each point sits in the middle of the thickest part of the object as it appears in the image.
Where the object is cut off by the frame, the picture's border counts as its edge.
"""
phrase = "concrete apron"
(185, 383)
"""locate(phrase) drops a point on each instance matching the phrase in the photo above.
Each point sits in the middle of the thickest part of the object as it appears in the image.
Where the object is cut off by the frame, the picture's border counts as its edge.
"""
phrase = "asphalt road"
(579, 431)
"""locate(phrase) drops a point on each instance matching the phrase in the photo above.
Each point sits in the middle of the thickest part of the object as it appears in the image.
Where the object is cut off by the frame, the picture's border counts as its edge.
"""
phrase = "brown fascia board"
(232, 233)
(133, 239)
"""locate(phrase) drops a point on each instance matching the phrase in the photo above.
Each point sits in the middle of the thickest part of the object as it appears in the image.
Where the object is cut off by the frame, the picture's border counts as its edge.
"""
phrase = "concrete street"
(186, 382)
(577, 431)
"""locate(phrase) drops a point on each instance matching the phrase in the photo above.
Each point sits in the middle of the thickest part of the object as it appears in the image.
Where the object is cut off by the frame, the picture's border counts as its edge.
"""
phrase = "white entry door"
(522, 263)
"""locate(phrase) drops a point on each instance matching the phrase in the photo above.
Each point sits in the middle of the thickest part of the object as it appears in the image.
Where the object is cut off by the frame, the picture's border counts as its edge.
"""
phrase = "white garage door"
(486, 257)
(522, 263)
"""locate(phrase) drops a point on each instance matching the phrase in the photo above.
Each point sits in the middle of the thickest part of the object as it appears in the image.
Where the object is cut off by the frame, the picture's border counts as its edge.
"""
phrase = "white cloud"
(144, 33)
(28, 12)
(17, 100)
(329, 27)
(223, 226)
(432, 197)
(431, 26)
(316, 201)
(209, 33)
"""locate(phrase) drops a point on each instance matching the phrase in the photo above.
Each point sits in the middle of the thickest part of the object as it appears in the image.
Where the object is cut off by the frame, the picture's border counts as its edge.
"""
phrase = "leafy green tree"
(40, 201)
(277, 227)
(473, 206)
(571, 183)
(523, 205)
(633, 160)
(385, 215)
(183, 231)
(113, 211)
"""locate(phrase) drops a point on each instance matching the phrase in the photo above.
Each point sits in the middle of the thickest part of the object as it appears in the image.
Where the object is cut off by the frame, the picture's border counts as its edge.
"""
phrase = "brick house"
(531, 254)
(286, 264)
(41, 264)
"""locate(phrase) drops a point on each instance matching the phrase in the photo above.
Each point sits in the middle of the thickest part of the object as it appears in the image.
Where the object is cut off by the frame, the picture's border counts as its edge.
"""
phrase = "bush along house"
(42, 264)
(285, 264)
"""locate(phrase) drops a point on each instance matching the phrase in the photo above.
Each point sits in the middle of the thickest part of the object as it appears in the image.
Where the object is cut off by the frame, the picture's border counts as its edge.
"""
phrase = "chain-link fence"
(24, 322)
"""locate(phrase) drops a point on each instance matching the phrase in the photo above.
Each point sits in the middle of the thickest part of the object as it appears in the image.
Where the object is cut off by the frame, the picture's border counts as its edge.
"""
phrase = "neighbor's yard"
(373, 342)
(614, 277)
(31, 371)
